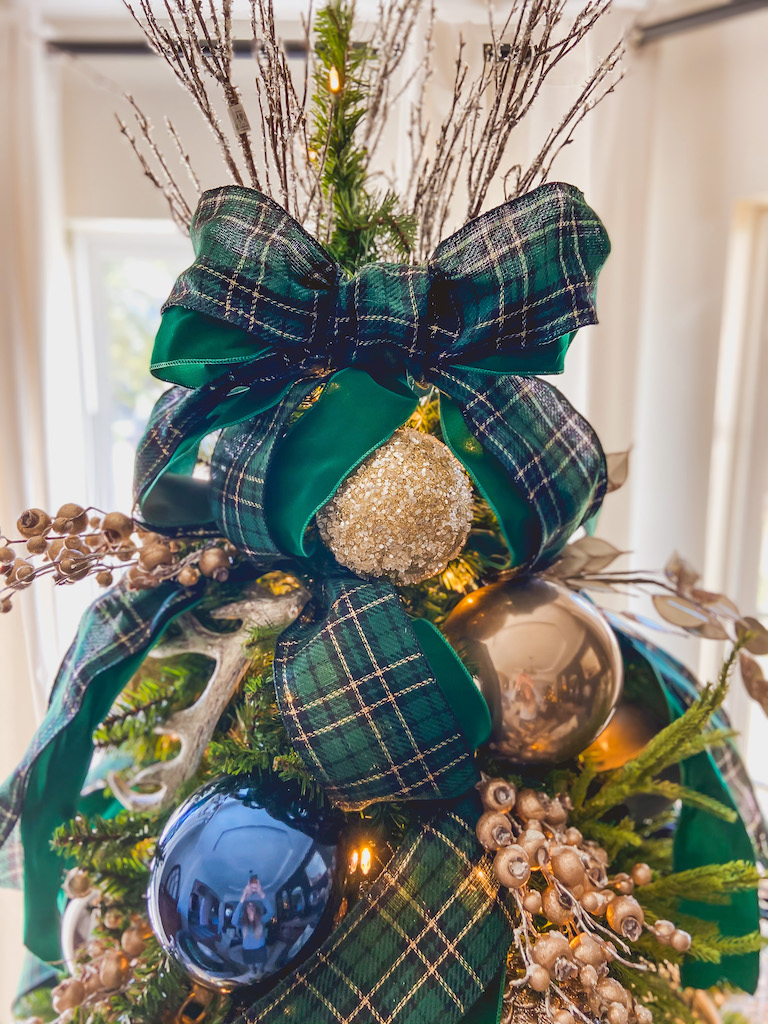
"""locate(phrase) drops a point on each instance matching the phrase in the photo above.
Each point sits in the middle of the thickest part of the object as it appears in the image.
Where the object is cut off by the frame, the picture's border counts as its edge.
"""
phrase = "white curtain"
(22, 471)
(35, 317)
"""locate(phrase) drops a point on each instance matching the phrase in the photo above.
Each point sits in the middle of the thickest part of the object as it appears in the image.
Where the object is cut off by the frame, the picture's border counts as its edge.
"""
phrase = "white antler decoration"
(194, 725)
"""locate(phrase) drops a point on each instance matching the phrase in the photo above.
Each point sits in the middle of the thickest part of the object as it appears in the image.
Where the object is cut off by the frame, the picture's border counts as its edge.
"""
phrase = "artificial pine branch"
(290, 768)
(357, 225)
(740, 945)
(672, 791)
(656, 990)
(230, 755)
(154, 693)
(712, 883)
(140, 708)
(88, 839)
(616, 837)
(656, 851)
(115, 851)
(678, 741)
(654, 843)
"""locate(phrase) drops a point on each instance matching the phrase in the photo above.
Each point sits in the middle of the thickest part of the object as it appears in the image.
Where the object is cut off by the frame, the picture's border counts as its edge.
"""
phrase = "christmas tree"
(345, 738)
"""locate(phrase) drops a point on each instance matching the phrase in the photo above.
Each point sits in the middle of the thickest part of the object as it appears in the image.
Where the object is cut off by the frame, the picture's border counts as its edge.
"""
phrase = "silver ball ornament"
(77, 926)
(403, 514)
(244, 883)
(547, 663)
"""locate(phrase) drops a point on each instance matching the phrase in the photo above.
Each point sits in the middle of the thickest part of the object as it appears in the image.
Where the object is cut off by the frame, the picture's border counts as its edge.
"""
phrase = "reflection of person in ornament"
(248, 916)
(524, 693)
(253, 888)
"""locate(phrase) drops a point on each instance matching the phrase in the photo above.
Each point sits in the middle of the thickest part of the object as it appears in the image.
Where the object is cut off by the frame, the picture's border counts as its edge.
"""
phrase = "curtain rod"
(138, 48)
(642, 35)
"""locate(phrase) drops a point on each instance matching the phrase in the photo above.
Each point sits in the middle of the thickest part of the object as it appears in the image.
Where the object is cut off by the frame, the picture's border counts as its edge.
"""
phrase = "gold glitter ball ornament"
(403, 514)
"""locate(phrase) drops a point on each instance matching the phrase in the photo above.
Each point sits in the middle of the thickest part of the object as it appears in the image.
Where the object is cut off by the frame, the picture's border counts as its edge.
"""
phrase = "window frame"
(738, 480)
(92, 242)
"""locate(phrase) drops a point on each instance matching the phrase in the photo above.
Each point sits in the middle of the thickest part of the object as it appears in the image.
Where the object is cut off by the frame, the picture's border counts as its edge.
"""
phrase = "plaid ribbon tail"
(114, 636)
(240, 466)
(538, 462)
(165, 492)
(420, 947)
(365, 708)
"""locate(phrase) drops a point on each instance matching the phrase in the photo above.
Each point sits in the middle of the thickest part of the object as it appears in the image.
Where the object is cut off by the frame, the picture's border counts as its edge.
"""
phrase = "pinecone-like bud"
(214, 563)
(33, 523)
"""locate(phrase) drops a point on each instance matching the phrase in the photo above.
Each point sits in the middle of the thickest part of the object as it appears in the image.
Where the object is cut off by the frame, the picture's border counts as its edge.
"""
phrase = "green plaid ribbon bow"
(264, 314)
(377, 706)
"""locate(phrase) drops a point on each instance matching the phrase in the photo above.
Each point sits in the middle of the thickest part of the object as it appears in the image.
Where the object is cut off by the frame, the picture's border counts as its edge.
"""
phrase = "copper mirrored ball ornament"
(547, 663)
(403, 514)
(244, 882)
(629, 730)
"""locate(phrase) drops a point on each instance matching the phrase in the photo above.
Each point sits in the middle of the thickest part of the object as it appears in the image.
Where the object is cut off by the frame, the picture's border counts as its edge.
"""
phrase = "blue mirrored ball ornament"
(244, 882)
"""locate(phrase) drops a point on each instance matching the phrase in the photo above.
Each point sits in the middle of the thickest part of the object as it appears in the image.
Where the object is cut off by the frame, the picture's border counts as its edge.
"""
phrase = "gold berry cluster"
(79, 542)
(106, 963)
(564, 892)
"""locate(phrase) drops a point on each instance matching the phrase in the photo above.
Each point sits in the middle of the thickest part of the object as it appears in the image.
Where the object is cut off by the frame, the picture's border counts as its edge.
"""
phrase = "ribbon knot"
(382, 319)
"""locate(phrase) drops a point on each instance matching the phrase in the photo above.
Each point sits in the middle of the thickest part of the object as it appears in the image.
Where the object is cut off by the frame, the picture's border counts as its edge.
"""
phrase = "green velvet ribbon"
(489, 1007)
(700, 839)
(316, 456)
(44, 791)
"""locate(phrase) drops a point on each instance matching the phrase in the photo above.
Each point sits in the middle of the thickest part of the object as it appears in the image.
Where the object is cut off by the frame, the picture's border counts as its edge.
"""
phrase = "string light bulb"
(353, 862)
(334, 79)
(365, 860)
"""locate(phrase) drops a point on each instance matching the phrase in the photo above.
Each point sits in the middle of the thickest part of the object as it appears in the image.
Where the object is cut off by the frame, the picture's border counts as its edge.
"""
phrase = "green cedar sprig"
(711, 883)
(709, 944)
(115, 851)
(681, 739)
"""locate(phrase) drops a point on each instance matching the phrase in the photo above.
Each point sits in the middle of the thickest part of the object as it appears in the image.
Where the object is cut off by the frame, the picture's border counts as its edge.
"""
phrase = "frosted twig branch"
(472, 140)
(193, 60)
(453, 165)
(161, 175)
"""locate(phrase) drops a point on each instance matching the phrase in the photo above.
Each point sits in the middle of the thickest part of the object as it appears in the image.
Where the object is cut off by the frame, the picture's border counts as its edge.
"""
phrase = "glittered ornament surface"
(403, 514)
